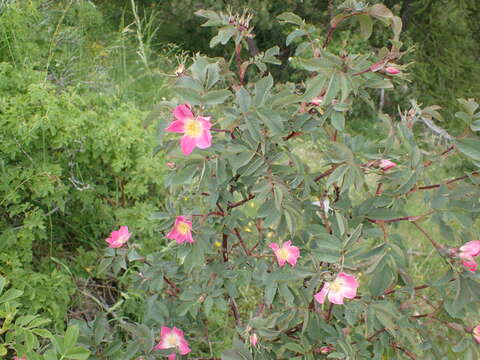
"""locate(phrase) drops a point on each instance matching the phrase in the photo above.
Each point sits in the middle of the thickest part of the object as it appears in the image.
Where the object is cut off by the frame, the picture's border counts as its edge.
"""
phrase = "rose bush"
(246, 198)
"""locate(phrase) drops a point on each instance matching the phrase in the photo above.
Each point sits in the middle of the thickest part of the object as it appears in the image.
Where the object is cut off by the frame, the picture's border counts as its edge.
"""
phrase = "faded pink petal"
(187, 144)
(386, 164)
(205, 121)
(335, 297)
(172, 357)
(320, 296)
(253, 339)
(176, 126)
(470, 265)
(350, 285)
(317, 101)
(118, 238)
(205, 140)
(19, 358)
(183, 112)
(392, 70)
(285, 253)
(470, 249)
(273, 246)
(476, 333)
(294, 255)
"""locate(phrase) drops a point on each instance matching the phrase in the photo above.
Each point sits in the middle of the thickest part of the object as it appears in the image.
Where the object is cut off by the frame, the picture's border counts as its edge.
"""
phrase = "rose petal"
(188, 144)
(183, 112)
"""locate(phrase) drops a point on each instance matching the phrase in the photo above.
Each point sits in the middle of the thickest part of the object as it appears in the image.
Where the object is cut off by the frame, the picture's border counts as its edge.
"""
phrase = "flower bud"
(392, 70)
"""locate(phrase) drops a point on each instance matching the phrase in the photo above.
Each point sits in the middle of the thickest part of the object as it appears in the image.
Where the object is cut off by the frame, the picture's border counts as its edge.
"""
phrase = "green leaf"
(50, 355)
(354, 237)
(71, 337)
(294, 347)
(290, 18)
(216, 97)
(77, 353)
(470, 147)
(337, 174)
(199, 69)
(214, 19)
(10, 295)
(314, 87)
(2, 283)
(380, 10)
(185, 175)
(224, 34)
(376, 83)
(99, 328)
(43, 333)
(381, 280)
(262, 90)
(475, 126)
(338, 120)
(253, 125)
(188, 95)
(272, 119)
(332, 89)
(294, 34)
(238, 160)
(366, 26)
(270, 291)
(213, 75)
(243, 99)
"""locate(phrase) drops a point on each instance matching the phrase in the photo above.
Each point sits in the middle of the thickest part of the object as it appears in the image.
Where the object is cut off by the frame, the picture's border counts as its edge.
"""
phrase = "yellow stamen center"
(172, 340)
(336, 286)
(283, 253)
(193, 128)
(183, 228)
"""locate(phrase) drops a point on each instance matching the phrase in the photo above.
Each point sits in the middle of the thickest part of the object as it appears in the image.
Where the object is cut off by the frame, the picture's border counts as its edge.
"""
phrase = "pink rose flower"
(195, 129)
(285, 253)
(344, 286)
(386, 164)
(19, 358)
(467, 253)
(118, 238)
(392, 70)
(182, 230)
(476, 333)
(172, 339)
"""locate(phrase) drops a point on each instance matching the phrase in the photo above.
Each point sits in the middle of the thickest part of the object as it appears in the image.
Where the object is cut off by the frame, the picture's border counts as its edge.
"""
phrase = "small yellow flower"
(218, 244)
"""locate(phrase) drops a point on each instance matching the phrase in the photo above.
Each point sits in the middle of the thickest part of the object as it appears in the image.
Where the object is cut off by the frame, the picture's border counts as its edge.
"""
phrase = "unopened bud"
(392, 70)
(254, 339)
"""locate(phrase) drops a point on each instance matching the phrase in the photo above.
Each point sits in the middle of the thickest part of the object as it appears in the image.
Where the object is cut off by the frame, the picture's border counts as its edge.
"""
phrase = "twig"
(240, 239)
(440, 248)
(241, 202)
(407, 352)
(329, 313)
(328, 172)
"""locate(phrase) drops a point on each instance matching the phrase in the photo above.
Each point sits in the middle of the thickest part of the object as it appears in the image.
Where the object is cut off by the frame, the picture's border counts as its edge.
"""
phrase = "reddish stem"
(292, 135)
(241, 202)
(328, 172)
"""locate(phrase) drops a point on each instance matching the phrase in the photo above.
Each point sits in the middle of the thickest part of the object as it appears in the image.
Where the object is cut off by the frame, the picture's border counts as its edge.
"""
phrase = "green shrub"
(73, 167)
